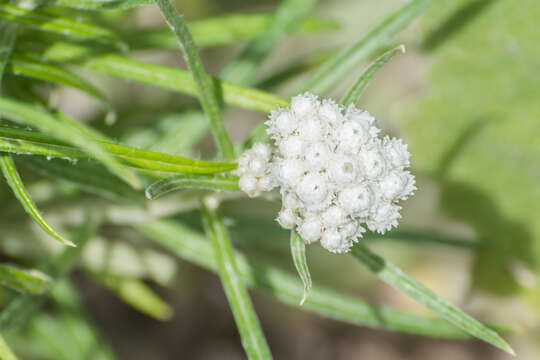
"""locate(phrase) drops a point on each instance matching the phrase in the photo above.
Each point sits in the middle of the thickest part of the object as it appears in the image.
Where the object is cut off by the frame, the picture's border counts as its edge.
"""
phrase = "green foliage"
(204, 182)
(298, 252)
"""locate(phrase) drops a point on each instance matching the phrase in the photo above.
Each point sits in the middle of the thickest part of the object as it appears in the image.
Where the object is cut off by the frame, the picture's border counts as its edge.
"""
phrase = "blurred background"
(465, 97)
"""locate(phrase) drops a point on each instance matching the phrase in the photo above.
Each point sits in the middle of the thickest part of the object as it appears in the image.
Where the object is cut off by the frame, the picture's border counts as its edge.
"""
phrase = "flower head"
(333, 170)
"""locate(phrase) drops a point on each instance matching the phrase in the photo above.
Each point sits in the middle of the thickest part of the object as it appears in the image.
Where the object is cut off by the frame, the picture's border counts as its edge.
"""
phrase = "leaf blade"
(298, 252)
(29, 281)
(396, 278)
(15, 183)
(354, 93)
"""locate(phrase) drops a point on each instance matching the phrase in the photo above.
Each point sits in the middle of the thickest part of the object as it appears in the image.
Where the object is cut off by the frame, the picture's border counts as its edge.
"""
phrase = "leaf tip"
(402, 48)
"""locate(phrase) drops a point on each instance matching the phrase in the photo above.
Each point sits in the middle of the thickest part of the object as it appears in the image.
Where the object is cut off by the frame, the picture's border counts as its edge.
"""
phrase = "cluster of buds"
(335, 174)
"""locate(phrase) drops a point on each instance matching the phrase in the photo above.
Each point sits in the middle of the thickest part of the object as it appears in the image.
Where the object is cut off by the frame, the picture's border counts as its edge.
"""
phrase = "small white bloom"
(311, 229)
(333, 171)
(287, 218)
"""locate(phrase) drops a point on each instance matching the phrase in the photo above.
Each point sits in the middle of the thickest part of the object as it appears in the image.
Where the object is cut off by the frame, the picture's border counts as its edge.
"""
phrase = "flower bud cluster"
(254, 170)
(333, 170)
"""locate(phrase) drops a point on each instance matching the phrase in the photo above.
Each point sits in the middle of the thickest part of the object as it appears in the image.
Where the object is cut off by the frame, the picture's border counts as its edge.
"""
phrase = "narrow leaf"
(8, 34)
(15, 183)
(180, 80)
(48, 72)
(64, 26)
(5, 351)
(203, 182)
(396, 278)
(30, 281)
(242, 69)
(298, 252)
(193, 247)
(246, 319)
(138, 295)
(204, 84)
(30, 142)
(360, 85)
(338, 67)
(21, 112)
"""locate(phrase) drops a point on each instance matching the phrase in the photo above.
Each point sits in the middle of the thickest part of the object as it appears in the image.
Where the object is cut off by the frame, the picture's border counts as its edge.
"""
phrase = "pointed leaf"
(30, 281)
(360, 85)
(298, 251)
(15, 183)
(396, 278)
(5, 351)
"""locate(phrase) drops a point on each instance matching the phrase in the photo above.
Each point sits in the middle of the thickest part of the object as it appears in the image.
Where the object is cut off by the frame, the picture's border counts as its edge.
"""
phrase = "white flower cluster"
(333, 171)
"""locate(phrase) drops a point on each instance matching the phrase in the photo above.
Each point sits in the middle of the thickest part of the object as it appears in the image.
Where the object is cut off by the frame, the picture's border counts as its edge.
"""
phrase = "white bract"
(333, 171)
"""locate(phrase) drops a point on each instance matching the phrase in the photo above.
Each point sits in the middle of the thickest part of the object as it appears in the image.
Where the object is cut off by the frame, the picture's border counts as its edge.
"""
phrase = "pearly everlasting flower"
(333, 171)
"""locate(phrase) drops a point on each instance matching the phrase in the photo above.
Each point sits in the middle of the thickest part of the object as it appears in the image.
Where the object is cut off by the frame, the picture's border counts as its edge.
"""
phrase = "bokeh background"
(465, 96)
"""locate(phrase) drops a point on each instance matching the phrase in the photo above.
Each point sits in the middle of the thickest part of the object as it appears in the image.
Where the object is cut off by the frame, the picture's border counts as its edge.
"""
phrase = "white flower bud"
(350, 230)
(290, 171)
(257, 166)
(248, 184)
(384, 218)
(396, 152)
(343, 169)
(318, 156)
(373, 163)
(334, 242)
(334, 216)
(283, 123)
(330, 112)
(352, 135)
(312, 188)
(310, 230)
(292, 146)
(287, 218)
(262, 150)
(304, 105)
(266, 183)
(356, 199)
(311, 130)
(291, 201)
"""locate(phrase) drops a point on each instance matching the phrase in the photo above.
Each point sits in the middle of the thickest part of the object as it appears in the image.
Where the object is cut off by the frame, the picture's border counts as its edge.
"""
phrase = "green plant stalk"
(396, 278)
(204, 84)
(246, 319)
(193, 247)
(97, 4)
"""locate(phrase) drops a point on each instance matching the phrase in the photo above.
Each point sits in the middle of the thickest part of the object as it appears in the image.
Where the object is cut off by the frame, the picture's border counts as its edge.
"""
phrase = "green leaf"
(30, 142)
(188, 126)
(221, 30)
(67, 27)
(193, 247)
(396, 278)
(338, 67)
(360, 85)
(21, 112)
(135, 293)
(5, 351)
(24, 280)
(15, 183)
(204, 84)
(203, 182)
(180, 80)
(52, 73)
(21, 307)
(298, 252)
(253, 339)
(242, 69)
